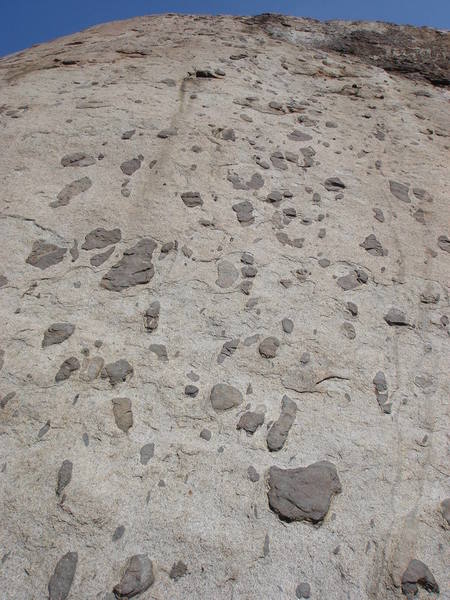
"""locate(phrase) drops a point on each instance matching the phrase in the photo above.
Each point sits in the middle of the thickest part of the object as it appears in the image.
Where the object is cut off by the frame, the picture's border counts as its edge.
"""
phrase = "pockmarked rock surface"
(199, 216)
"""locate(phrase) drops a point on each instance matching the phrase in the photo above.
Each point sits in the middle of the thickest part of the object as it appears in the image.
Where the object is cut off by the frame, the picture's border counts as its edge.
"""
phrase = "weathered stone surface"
(147, 452)
(399, 190)
(268, 348)
(100, 238)
(278, 433)
(67, 368)
(445, 510)
(228, 349)
(99, 259)
(395, 317)
(303, 590)
(227, 274)
(151, 316)
(224, 397)
(77, 159)
(250, 421)
(137, 578)
(134, 268)
(373, 246)
(57, 333)
(178, 570)
(192, 199)
(244, 212)
(129, 167)
(288, 325)
(44, 255)
(75, 188)
(62, 578)
(304, 493)
(334, 184)
(444, 243)
(64, 476)
(417, 573)
(117, 371)
(123, 414)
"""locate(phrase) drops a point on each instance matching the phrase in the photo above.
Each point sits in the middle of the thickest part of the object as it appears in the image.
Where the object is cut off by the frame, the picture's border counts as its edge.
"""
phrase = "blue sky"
(27, 22)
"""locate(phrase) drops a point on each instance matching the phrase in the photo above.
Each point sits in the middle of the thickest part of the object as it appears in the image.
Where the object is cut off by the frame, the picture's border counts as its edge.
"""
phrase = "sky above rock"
(27, 22)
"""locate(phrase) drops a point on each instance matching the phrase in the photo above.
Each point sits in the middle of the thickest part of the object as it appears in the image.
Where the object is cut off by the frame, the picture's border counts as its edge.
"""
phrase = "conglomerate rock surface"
(213, 228)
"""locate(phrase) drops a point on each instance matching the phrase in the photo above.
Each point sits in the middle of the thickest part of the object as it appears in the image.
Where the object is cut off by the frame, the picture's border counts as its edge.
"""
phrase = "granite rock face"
(224, 268)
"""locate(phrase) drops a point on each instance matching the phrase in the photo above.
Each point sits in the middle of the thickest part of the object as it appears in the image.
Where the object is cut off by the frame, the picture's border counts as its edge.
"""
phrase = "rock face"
(200, 215)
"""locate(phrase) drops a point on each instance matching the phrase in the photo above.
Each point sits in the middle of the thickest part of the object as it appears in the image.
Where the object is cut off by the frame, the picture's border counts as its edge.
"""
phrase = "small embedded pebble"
(349, 330)
(247, 258)
(269, 347)
(352, 308)
(324, 263)
(288, 325)
(303, 590)
(64, 476)
(118, 533)
(252, 474)
(205, 434)
(147, 452)
(43, 430)
(305, 358)
(178, 570)
(61, 580)
(191, 390)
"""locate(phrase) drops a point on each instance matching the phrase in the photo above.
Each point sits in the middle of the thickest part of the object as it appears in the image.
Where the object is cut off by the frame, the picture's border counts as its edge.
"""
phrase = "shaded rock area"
(225, 257)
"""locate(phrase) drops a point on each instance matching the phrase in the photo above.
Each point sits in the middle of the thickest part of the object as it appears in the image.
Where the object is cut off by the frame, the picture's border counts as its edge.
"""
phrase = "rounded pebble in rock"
(252, 474)
(288, 325)
(191, 390)
(205, 434)
(303, 590)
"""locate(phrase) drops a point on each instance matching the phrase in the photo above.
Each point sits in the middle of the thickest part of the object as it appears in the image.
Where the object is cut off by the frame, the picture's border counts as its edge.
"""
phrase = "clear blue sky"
(27, 22)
